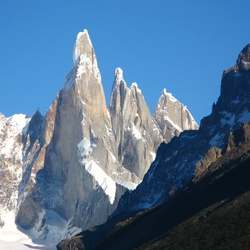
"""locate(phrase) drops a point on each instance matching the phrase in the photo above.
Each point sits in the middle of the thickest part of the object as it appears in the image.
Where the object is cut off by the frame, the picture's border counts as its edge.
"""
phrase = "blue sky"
(182, 46)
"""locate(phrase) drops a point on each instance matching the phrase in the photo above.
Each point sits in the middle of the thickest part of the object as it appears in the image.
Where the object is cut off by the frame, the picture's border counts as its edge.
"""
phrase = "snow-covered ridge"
(104, 181)
(21, 121)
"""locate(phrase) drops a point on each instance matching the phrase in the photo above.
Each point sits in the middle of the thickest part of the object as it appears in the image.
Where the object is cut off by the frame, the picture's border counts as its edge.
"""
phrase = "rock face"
(243, 61)
(169, 123)
(72, 166)
(189, 155)
(136, 134)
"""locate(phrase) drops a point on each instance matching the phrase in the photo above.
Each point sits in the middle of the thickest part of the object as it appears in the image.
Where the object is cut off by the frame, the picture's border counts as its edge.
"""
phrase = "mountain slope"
(210, 213)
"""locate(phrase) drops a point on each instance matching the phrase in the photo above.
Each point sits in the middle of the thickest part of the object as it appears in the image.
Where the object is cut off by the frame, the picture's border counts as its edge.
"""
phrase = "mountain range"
(66, 171)
(195, 194)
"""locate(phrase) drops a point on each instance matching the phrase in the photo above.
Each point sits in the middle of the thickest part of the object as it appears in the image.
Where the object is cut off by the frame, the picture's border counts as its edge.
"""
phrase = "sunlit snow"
(173, 99)
(128, 184)
(105, 182)
(20, 121)
(136, 132)
(135, 85)
(12, 238)
(166, 118)
(85, 148)
(78, 45)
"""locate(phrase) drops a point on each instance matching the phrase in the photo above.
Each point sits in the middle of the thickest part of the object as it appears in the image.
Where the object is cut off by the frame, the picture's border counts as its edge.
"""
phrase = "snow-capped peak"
(118, 79)
(164, 92)
(135, 85)
(83, 46)
(118, 74)
(169, 95)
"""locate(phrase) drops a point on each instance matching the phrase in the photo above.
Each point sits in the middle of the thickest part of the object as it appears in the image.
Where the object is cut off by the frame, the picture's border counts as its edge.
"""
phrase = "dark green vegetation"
(212, 212)
(225, 225)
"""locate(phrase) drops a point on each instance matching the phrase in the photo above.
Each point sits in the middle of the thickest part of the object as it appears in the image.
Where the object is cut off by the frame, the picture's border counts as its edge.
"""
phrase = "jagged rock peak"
(119, 91)
(171, 115)
(135, 86)
(83, 47)
(85, 62)
(118, 81)
(118, 77)
(165, 93)
(243, 61)
(118, 73)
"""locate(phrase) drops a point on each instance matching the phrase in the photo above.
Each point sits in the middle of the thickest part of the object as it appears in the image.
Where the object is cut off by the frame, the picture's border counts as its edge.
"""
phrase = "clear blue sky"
(182, 46)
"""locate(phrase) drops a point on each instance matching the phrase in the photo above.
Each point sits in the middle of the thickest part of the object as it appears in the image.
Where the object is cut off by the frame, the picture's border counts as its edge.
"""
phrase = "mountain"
(196, 193)
(67, 171)
(177, 162)
(212, 212)
(169, 122)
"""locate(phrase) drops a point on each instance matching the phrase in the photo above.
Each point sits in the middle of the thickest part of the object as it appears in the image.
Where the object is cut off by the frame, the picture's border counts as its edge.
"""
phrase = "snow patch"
(113, 157)
(245, 116)
(127, 184)
(118, 78)
(104, 181)
(85, 149)
(216, 140)
(55, 228)
(169, 95)
(136, 132)
(21, 121)
(118, 73)
(135, 85)
(12, 238)
(228, 118)
(82, 40)
(166, 118)
(153, 154)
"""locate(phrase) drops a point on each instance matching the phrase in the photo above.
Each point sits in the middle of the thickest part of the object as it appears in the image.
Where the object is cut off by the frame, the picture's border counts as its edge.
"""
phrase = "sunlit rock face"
(68, 170)
(172, 116)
